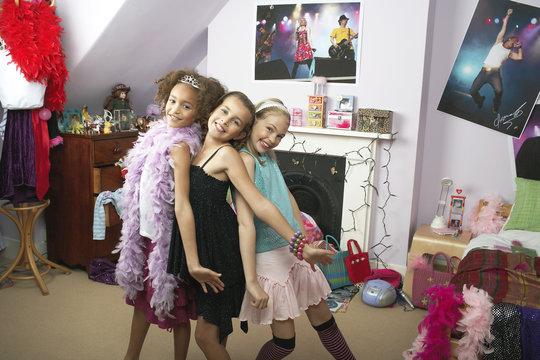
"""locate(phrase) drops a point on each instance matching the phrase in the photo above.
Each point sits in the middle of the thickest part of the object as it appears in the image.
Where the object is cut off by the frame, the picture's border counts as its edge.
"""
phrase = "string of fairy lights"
(366, 158)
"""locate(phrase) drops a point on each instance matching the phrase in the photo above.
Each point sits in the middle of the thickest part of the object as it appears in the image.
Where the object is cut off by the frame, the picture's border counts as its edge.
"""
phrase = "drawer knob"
(117, 149)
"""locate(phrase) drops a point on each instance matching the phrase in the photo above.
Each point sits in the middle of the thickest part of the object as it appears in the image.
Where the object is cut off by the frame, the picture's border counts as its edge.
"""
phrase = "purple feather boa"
(153, 148)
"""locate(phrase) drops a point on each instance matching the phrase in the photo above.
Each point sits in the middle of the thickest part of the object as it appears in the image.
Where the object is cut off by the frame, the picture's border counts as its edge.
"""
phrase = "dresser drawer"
(109, 151)
(107, 178)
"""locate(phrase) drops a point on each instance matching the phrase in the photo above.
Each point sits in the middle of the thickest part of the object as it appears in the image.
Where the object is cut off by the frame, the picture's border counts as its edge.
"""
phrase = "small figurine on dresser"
(118, 100)
(98, 125)
(119, 106)
(76, 126)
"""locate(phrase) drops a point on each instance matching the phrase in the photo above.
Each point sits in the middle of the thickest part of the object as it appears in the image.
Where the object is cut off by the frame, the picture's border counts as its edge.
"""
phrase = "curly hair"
(238, 144)
(208, 97)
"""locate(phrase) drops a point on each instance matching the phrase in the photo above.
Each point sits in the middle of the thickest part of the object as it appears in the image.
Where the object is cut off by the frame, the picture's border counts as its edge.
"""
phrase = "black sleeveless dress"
(218, 247)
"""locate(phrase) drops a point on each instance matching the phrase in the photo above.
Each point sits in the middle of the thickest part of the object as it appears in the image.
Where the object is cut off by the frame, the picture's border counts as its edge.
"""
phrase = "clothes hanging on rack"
(30, 31)
(17, 164)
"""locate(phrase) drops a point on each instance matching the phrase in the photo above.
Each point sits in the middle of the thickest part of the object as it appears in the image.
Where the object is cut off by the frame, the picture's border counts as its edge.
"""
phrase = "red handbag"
(357, 262)
(424, 278)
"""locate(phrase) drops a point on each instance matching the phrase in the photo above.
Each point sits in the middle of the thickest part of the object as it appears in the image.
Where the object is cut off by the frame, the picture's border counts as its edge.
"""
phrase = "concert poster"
(294, 41)
(494, 80)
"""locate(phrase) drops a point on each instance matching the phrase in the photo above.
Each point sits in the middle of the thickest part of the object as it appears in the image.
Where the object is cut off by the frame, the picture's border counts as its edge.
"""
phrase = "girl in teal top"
(278, 285)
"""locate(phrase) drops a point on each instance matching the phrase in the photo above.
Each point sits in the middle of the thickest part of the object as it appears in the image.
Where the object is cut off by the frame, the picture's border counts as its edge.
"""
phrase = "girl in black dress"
(216, 167)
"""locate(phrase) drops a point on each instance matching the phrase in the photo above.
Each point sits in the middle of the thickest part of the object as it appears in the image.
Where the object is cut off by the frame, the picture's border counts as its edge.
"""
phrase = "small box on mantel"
(316, 111)
(374, 120)
(339, 120)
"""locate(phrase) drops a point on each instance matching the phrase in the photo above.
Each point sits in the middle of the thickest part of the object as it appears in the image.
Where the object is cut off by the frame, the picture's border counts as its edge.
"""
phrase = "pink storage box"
(339, 120)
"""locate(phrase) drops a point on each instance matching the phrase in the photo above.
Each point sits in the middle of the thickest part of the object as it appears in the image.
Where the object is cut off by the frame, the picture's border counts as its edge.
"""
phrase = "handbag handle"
(448, 262)
(350, 245)
(335, 241)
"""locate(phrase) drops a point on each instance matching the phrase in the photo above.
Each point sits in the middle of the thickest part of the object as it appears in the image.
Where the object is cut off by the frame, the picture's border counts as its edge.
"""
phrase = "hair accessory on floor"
(190, 80)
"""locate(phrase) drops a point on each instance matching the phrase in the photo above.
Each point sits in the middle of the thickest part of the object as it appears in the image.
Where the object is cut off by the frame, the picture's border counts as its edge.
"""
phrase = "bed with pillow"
(507, 265)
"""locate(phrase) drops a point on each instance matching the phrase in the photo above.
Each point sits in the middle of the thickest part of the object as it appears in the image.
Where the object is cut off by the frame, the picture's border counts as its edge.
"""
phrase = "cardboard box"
(339, 120)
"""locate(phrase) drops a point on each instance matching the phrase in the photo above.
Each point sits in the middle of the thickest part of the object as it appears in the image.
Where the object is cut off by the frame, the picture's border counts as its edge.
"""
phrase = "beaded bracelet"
(295, 236)
(296, 245)
(300, 250)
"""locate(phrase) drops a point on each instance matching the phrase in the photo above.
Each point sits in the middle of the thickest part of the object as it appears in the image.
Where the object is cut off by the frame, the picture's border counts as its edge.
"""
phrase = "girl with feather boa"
(157, 173)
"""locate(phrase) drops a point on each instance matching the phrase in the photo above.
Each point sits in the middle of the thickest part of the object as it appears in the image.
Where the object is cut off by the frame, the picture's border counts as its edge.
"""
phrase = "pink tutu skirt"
(290, 284)
(184, 304)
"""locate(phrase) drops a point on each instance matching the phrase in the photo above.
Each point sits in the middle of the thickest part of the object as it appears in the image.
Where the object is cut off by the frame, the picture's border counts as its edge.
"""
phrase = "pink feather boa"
(488, 220)
(475, 324)
(433, 341)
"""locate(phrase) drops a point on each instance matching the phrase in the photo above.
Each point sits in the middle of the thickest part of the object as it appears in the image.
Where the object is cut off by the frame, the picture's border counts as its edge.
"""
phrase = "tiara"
(190, 80)
(269, 104)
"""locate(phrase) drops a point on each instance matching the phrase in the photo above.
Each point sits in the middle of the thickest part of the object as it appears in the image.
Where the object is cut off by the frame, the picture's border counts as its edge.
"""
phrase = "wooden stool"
(27, 216)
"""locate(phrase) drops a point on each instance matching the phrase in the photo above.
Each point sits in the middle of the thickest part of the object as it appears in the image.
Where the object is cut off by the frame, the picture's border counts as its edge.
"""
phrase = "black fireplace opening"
(316, 181)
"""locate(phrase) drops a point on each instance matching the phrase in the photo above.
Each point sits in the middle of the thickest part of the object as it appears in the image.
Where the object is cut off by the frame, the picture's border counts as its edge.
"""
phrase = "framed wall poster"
(494, 80)
(293, 41)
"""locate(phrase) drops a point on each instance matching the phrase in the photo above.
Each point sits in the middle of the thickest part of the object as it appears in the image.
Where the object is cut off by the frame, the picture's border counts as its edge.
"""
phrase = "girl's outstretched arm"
(263, 208)
(247, 232)
(181, 157)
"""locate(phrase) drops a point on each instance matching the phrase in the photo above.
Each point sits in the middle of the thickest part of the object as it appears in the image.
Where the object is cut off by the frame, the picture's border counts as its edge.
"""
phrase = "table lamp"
(439, 222)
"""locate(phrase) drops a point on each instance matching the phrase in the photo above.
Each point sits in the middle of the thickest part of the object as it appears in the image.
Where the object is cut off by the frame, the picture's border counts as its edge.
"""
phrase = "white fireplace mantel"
(360, 151)
(337, 132)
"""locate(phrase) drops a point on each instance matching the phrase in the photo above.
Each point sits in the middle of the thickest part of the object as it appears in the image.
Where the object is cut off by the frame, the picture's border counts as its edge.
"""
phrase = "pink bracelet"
(300, 250)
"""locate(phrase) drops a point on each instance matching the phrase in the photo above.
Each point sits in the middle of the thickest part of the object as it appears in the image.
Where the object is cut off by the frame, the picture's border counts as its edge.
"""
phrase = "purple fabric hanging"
(17, 165)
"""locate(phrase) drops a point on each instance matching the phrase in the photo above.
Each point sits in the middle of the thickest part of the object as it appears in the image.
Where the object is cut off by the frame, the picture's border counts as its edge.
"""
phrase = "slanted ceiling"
(132, 42)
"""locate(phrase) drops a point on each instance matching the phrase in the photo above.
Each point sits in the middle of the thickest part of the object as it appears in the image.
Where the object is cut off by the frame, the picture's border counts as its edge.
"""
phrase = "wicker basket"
(374, 120)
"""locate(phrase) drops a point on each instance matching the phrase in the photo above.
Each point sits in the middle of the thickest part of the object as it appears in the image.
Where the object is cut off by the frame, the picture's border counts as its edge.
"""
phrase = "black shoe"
(480, 103)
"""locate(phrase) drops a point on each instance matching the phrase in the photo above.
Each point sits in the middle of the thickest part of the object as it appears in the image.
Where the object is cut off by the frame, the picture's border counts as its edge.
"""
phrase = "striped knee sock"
(333, 340)
(276, 349)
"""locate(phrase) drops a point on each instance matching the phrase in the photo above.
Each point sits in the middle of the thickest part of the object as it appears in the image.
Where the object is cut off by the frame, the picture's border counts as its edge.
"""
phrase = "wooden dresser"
(82, 168)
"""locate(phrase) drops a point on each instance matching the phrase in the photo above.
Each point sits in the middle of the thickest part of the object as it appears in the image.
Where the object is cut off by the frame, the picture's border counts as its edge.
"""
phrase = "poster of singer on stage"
(299, 41)
(496, 76)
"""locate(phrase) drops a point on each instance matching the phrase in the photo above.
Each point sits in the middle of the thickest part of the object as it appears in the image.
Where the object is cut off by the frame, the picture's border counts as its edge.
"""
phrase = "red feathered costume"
(32, 32)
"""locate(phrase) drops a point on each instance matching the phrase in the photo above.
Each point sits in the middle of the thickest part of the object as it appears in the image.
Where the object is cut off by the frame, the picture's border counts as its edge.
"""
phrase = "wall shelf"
(337, 132)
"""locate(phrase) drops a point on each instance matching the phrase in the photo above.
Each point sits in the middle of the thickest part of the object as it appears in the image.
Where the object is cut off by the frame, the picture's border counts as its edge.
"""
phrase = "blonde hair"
(264, 109)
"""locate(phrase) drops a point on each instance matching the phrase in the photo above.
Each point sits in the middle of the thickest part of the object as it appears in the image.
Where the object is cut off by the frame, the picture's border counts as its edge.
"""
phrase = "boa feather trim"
(152, 148)
(32, 32)
(419, 262)
(56, 141)
(433, 341)
(475, 324)
(488, 220)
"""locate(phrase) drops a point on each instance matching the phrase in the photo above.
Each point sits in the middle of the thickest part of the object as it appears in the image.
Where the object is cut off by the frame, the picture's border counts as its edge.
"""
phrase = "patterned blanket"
(507, 277)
